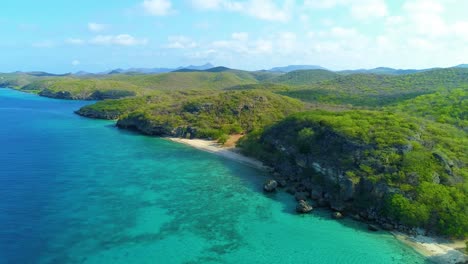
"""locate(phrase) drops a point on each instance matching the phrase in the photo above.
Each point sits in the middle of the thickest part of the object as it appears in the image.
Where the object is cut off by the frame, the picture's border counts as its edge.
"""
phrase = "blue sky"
(63, 36)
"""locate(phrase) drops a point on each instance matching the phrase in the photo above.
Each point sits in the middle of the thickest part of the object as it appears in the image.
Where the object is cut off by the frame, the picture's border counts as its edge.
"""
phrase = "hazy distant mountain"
(82, 73)
(214, 69)
(462, 66)
(291, 68)
(382, 70)
(159, 70)
(199, 68)
(45, 74)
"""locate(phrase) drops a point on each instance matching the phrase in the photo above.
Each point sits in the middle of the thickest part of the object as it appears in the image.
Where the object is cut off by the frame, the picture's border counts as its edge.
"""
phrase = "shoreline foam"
(436, 250)
(216, 148)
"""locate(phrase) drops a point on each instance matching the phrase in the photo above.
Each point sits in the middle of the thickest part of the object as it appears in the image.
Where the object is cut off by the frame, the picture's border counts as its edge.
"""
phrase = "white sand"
(437, 250)
(218, 149)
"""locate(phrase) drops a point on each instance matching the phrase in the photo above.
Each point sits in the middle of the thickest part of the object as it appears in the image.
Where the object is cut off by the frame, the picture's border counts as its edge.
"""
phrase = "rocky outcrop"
(91, 113)
(96, 95)
(270, 186)
(303, 207)
(337, 215)
(145, 126)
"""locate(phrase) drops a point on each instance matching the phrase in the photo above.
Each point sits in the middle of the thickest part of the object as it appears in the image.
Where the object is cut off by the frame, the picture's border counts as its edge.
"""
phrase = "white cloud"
(95, 27)
(361, 10)
(44, 44)
(262, 9)
(181, 42)
(324, 4)
(368, 9)
(423, 6)
(120, 40)
(240, 36)
(157, 7)
(268, 10)
(75, 62)
(207, 4)
(75, 41)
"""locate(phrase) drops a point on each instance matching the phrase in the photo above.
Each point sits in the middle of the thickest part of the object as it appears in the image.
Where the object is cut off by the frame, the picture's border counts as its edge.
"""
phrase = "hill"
(378, 90)
(291, 68)
(448, 107)
(81, 89)
(304, 77)
(196, 114)
(401, 171)
(97, 87)
(381, 70)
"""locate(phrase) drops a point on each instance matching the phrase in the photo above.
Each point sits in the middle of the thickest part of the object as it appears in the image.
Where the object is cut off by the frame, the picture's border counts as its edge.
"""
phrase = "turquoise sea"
(76, 190)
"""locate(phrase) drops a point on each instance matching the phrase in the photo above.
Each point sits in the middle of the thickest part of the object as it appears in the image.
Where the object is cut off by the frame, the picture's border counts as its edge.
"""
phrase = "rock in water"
(270, 186)
(372, 228)
(337, 215)
(303, 207)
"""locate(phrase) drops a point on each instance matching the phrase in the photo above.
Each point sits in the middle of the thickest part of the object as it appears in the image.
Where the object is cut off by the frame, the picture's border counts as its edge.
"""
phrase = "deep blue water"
(76, 190)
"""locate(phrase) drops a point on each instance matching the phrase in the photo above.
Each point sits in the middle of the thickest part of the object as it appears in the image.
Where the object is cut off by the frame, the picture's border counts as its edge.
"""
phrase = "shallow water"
(76, 190)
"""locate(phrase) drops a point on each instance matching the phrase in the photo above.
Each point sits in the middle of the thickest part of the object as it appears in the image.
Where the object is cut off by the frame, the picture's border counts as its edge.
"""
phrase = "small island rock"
(303, 207)
(337, 215)
(270, 186)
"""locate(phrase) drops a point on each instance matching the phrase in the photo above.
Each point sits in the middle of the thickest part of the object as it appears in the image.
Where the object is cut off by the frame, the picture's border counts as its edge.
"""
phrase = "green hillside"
(411, 170)
(304, 77)
(450, 107)
(16, 80)
(196, 113)
(84, 89)
(379, 90)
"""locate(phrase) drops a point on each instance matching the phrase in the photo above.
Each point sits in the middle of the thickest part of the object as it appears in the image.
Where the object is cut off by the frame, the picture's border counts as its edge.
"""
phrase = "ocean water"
(76, 190)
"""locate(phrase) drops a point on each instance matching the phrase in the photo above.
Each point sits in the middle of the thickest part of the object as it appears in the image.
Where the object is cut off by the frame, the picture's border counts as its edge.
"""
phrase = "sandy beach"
(437, 250)
(216, 148)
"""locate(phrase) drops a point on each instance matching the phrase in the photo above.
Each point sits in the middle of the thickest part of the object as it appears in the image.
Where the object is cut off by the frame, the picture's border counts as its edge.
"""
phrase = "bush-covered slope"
(187, 80)
(82, 89)
(196, 113)
(449, 107)
(304, 77)
(16, 80)
(408, 171)
(379, 90)
(101, 87)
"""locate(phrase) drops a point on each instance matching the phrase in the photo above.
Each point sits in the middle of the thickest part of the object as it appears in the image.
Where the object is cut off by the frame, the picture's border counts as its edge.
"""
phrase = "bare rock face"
(270, 186)
(303, 207)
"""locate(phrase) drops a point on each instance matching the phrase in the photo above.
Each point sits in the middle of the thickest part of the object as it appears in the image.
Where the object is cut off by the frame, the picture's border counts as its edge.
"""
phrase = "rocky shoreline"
(309, 197)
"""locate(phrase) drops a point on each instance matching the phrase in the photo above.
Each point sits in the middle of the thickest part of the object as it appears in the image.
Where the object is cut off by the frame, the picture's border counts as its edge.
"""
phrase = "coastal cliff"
(207, 115)
(400, 172)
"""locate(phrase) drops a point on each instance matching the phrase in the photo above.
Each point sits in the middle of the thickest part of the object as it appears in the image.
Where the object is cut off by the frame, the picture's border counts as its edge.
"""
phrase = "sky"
(97, 35)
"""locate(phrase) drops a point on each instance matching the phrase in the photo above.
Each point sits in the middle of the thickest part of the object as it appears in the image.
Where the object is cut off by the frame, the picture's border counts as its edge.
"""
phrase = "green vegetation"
(209, 114)
(421, 162)
(16, 80)
(403, 158)
(84, 89)
(304, 77)
(378, 90)
(450, 107)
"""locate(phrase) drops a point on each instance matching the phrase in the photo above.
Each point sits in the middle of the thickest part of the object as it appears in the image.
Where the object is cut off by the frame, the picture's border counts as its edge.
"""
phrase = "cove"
(77, 190)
